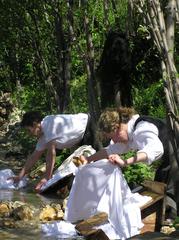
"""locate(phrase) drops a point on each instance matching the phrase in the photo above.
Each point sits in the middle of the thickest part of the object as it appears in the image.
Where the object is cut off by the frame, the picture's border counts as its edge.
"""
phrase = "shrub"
(137, 173)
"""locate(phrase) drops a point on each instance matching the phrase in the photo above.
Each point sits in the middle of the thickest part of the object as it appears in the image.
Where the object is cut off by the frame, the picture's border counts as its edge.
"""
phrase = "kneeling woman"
(100, 185)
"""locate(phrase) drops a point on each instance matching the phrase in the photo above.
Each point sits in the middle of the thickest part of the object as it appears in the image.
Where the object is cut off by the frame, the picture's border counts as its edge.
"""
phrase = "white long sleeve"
(143, 139)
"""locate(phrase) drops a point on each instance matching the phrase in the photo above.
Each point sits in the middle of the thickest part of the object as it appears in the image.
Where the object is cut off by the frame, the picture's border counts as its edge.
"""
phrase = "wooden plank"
(155, 198)
(154, 207)
(154, 186)
(151, 236)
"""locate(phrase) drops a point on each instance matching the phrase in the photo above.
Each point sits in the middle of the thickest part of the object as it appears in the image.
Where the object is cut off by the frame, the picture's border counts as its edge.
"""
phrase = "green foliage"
(137, 173)
(148, 94)
(176, 223)
(78, 95)
(150, 100)
(31, 97)
(31, 49)
(143, 31)
(61, 156)
(28, 143)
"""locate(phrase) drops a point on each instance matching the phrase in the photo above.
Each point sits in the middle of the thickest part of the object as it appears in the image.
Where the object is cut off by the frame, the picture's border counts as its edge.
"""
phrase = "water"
(17, 234)
(32, 232)
(27, 197)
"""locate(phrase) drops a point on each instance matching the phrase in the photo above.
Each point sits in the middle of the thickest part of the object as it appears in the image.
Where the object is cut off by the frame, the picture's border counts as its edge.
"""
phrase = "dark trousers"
(88, 138)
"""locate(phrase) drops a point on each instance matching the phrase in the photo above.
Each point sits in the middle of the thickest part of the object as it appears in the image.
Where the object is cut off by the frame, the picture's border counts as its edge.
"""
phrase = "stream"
(29, 232)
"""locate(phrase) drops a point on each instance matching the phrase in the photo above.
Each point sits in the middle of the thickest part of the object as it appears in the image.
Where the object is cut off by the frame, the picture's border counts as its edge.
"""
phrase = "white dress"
(101, 187)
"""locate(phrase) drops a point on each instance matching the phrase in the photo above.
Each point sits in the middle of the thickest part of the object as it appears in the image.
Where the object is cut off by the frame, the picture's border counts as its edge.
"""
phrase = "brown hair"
(111, 118)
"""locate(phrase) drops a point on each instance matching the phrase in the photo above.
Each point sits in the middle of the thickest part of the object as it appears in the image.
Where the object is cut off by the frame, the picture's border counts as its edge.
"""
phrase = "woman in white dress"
(100, 186)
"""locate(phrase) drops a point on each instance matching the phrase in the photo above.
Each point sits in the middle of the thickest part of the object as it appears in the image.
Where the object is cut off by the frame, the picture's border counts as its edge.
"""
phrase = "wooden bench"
(155, 207)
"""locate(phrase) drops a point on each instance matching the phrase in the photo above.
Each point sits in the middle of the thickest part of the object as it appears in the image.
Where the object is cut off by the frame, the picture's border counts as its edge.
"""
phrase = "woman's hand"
(40, 184)
(115, 159)
(83, 159)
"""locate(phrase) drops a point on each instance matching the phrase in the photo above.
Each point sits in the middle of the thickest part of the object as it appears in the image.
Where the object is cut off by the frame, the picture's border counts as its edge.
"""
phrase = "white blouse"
(144, 138)
(65, 129)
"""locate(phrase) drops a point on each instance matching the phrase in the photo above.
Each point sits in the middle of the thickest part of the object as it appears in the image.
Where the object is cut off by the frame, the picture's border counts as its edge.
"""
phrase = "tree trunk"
(106, 17)
(63, 58)
(88, 58)
(92, 85)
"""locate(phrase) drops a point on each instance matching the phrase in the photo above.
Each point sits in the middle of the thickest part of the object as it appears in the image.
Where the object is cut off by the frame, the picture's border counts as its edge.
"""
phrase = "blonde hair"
(110, 119)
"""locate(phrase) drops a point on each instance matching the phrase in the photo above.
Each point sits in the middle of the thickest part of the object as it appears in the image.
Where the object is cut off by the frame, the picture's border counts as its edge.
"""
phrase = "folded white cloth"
(67, 167)
(70, 169)
(9, 184)
(60, 229)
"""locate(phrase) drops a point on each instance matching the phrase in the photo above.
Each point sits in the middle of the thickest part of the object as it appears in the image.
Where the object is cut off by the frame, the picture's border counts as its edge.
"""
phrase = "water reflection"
(6, 195)
(14, 234)
(26, 197)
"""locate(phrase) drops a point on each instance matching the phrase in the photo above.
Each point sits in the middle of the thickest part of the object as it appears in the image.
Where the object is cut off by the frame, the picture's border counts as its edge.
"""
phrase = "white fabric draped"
(101, 187)
(5, 183)
(60, 229)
